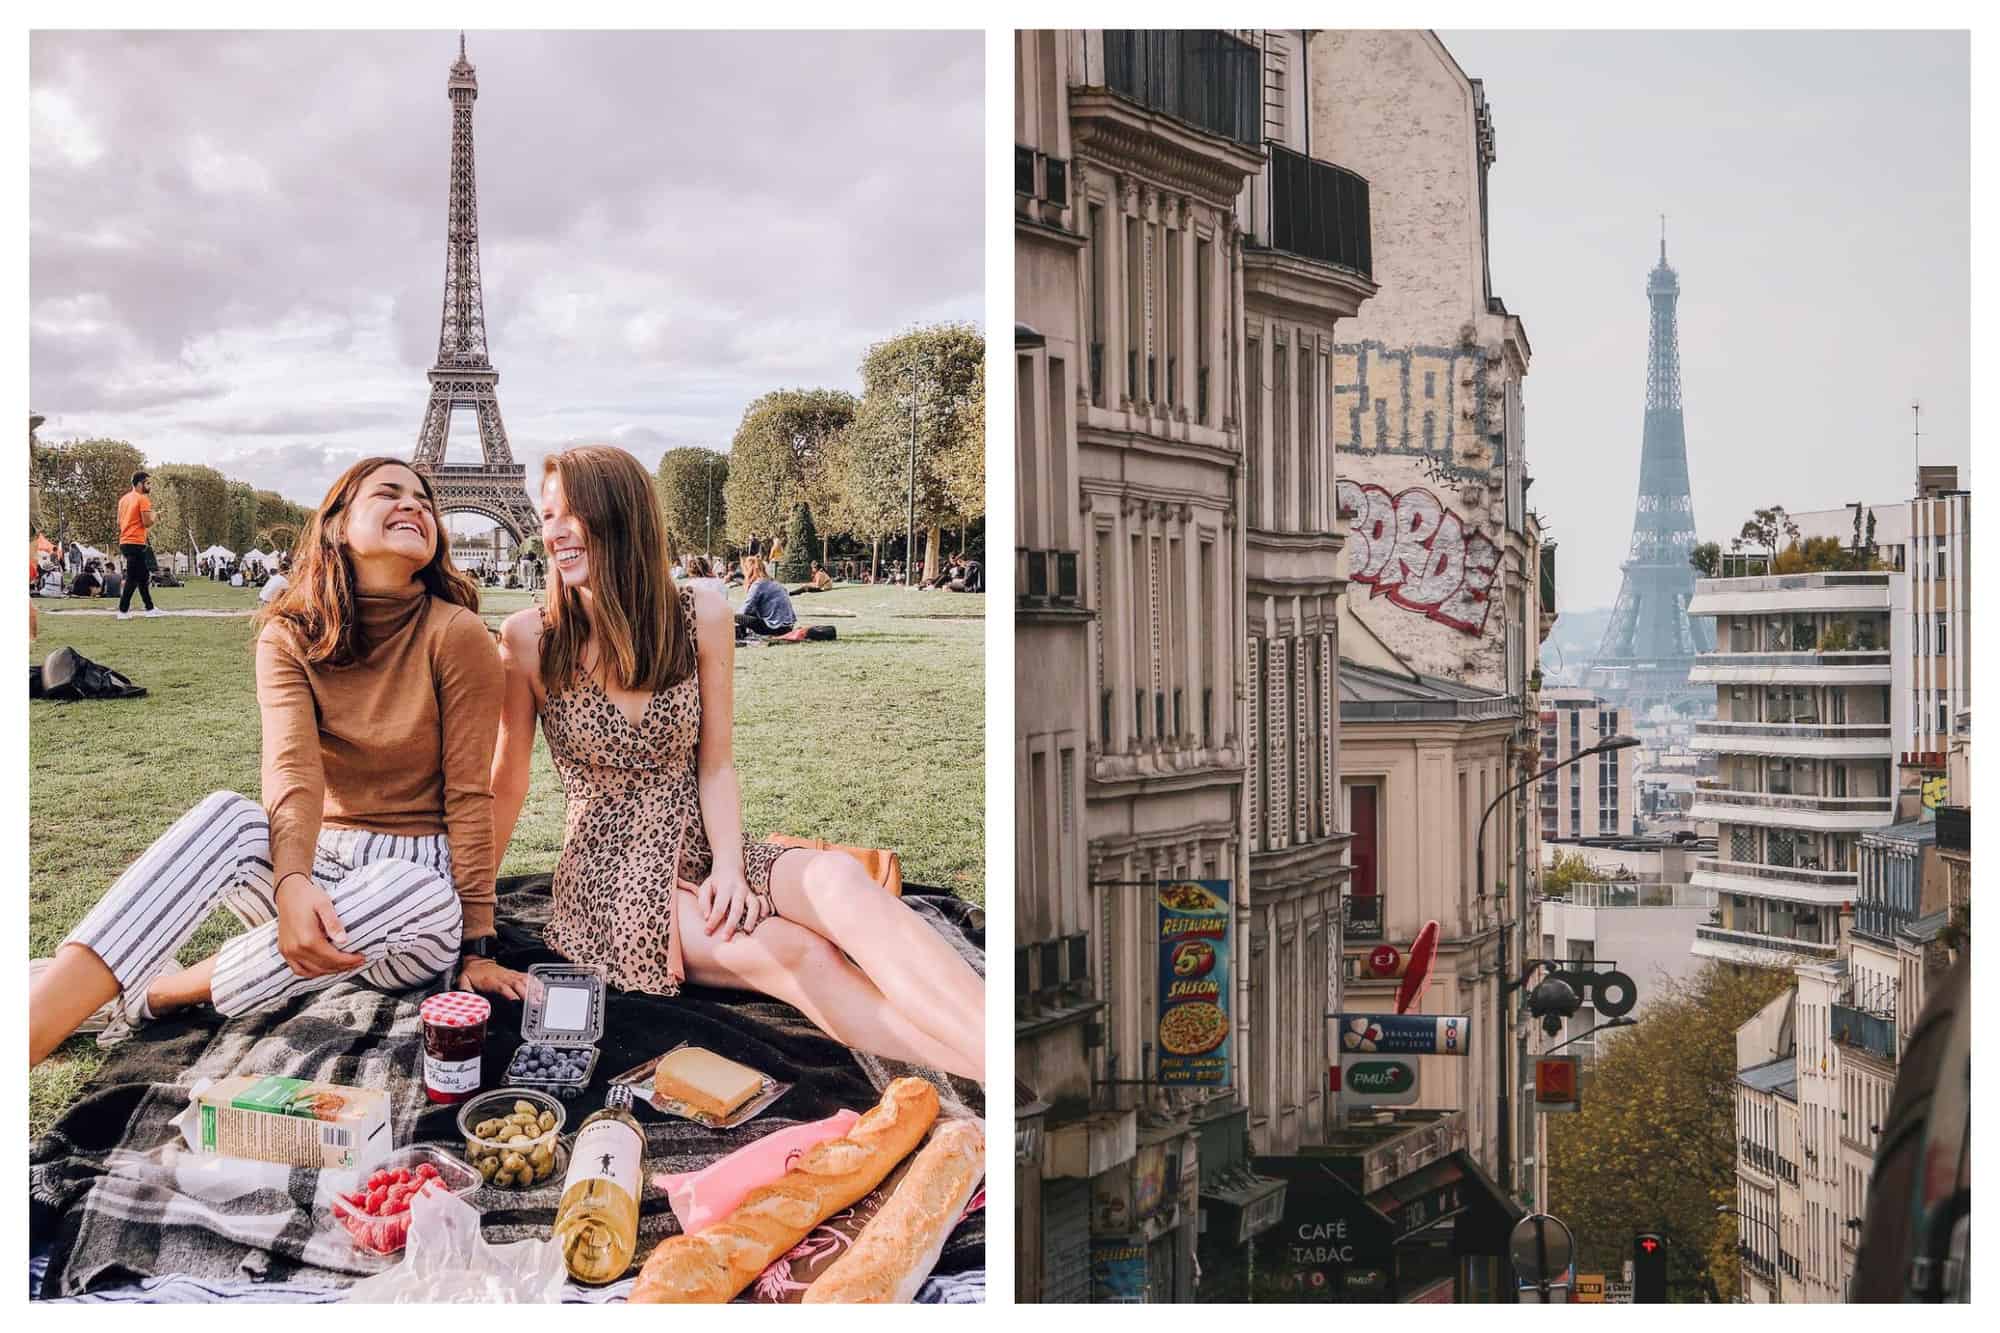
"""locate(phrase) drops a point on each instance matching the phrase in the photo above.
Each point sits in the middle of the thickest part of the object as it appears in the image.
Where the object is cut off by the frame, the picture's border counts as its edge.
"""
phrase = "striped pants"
(394, 896)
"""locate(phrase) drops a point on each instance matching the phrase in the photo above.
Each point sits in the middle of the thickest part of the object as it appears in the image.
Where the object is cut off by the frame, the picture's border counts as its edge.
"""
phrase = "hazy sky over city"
(238, 239)
(1817, 192)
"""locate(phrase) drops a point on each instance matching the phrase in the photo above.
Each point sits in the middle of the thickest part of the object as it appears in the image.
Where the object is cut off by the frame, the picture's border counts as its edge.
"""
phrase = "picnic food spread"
(511, 1136)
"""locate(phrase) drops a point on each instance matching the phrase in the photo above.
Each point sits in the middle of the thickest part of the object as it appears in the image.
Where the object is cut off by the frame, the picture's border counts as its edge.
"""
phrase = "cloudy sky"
(237, 240)
(1818, 200)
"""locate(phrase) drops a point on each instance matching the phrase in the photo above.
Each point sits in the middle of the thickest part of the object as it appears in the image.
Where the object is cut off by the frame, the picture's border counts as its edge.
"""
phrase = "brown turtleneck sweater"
(401, 742)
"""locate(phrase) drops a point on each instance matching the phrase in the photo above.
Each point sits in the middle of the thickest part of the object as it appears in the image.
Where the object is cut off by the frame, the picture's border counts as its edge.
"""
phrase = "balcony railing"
(1618, 893)
(1771, 800)
(1809, 875)
(1794, 731)
(1873, 1033)
(1776, 944)
(1857, 658)
(1794, 582)
(1362, 916)
(1954, 828)
(1319, 211)
(1205, 77)
(1753, 1261)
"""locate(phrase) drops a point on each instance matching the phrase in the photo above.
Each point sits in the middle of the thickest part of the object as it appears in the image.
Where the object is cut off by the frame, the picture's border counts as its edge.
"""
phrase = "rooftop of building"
(1920, 831)
(1780, 1076)
(1370, 694)
(1925, 928)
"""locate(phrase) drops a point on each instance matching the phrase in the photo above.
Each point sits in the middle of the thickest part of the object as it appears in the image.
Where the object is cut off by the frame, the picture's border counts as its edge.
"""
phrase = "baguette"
(896, 1251)
(713, 1266)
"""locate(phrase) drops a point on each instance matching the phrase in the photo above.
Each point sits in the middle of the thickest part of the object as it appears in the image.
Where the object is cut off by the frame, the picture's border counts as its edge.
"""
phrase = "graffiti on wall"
(1427, 401)
(1411, 549)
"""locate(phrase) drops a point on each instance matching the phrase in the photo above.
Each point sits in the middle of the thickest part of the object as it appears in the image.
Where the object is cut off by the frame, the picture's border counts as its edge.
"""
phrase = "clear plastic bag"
(449, 1262)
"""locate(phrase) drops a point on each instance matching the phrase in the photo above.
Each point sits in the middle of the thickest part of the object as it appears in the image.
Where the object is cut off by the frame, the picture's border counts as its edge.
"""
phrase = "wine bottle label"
(452, 1075)
(607, 1150)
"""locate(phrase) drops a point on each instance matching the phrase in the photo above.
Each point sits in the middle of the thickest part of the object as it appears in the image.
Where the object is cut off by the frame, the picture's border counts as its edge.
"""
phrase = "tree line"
(76, 485)
(809, 464)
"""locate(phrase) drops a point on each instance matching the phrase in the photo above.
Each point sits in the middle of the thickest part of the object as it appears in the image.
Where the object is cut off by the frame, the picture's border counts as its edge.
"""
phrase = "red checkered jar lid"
(456, 1009)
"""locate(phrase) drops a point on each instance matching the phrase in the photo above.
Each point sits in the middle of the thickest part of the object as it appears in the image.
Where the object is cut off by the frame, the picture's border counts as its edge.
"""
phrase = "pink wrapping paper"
(702, 1198)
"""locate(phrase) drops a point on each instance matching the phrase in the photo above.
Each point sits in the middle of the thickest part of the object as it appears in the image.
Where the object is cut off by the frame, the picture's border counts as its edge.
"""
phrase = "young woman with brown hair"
(372, 854)
(633, 680)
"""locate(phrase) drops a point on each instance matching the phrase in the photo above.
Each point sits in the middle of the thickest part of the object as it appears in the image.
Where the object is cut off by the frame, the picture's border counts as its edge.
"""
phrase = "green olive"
(486, 1129)
(542, 1169)
(541, 1156)
(489, 1168)
(524, 1108)
(547, 1121)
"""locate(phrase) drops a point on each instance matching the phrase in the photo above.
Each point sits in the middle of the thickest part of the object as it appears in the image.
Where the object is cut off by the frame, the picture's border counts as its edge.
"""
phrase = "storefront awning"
(1240, 1205)
(1454, 1189)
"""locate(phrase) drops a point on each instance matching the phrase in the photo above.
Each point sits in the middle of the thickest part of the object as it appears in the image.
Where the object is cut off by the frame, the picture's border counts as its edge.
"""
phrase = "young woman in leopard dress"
(633, 679)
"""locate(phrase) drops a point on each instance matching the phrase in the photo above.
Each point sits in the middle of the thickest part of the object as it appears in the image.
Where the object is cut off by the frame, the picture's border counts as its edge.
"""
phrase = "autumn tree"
(191, 502)
(1763, 528)
(780, 457)
(930, 382)
(1568, 868)
(81, 481)
(693, 486)
(1653, 1147)
(240, 522)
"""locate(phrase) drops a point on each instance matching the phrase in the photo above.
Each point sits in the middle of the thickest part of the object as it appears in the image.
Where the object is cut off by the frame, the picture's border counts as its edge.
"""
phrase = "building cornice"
(1307, 291)
(1122, 136)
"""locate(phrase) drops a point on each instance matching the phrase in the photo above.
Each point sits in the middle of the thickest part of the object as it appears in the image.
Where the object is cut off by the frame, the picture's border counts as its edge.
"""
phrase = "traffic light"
(1649, 1269)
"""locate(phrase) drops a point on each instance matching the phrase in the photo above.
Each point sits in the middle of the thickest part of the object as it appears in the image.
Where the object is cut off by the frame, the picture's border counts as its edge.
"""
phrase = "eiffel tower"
(464, 376)
(1650, 643)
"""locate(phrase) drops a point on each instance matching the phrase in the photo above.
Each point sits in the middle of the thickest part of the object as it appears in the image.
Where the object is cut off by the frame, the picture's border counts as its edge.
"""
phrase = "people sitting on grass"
(633, 681)
(732, 575)
(821, 581)
(88, 582)
(278, 582)
(969, 577)
(372, 854)
(701, 574)
(767, 608)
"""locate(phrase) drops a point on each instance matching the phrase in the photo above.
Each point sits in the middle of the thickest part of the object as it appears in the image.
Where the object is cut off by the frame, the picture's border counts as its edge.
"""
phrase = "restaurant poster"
(1117, 1272)
(1193, 1034)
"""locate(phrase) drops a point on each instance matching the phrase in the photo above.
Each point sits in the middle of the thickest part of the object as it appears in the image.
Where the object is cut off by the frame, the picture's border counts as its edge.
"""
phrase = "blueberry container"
(560, 1028)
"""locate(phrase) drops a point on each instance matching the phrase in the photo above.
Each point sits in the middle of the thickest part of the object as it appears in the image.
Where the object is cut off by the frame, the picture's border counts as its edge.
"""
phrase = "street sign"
(1541, 1247)
(1557, 1086)
(1377, 1080)
(1404, 1034)
(1618, 1293)
(1589, 1289)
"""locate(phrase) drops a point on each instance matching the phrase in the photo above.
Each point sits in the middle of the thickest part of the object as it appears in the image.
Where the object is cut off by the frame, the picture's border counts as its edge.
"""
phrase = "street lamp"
(1500, 1010)
(910, 533)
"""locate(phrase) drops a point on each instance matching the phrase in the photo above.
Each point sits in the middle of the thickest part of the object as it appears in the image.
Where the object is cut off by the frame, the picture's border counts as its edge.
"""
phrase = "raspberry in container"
(376, 1211)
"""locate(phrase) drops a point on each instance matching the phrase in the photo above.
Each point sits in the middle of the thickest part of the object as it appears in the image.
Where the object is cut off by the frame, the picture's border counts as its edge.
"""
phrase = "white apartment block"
(1593, 798)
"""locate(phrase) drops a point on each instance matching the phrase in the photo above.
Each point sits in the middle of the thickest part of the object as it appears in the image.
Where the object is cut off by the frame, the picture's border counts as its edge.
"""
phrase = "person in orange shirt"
(135, 521)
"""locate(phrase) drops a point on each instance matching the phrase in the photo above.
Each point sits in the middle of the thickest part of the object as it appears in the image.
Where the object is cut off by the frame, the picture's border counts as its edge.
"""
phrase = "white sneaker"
(124, 615)
(156, 611)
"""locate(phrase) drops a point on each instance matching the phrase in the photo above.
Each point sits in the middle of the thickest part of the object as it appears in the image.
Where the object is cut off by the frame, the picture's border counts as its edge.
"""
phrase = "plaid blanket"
(112, 1206)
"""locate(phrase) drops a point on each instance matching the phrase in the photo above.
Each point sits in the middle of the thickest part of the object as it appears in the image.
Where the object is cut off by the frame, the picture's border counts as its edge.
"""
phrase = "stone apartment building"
(1177, 659)
(1446, 606)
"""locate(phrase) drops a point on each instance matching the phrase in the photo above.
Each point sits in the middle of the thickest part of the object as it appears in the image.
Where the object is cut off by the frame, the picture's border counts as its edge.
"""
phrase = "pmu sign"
(1404, 1034)
(1376, 1080)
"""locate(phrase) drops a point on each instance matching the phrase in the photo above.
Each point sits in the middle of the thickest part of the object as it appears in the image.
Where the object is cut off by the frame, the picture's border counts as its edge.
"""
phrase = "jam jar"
(454, 1035)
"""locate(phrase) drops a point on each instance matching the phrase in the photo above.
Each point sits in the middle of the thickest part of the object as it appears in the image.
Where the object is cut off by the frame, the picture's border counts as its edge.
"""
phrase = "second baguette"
(896, 1251)
(716, 1264)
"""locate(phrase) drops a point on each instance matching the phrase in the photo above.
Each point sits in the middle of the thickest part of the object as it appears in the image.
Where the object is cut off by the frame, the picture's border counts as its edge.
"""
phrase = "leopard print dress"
(633, 816)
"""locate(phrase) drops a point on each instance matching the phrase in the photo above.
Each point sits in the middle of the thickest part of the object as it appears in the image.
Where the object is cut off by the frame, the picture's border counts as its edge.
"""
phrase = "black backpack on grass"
(66, 676)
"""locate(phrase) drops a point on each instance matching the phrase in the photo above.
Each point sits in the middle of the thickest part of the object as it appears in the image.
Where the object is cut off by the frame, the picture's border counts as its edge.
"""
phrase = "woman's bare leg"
(912, 965)
(788, 962)
(75, 985)
(179, 990)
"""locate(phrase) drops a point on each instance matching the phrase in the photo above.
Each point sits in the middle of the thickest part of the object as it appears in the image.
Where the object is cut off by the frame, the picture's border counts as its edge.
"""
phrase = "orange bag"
(883, 866)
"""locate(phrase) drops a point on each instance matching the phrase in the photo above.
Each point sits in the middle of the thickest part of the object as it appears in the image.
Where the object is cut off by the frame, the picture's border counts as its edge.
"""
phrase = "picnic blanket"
(111, 1212)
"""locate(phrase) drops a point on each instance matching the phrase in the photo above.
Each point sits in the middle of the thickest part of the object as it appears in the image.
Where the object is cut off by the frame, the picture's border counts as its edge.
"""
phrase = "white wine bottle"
(597, 1222)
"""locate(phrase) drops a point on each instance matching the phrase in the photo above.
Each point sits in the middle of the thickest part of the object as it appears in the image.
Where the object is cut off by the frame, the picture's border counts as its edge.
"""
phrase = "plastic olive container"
(509, 1154)
(389, 1234)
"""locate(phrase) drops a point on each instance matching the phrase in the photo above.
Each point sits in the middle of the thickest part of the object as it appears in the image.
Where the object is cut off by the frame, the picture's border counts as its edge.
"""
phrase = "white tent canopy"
(253, 556)
(218, 553)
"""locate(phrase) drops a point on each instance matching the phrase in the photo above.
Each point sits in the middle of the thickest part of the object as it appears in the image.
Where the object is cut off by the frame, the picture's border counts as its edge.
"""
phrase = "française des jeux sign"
(1193, 1034)
(1405, 1034)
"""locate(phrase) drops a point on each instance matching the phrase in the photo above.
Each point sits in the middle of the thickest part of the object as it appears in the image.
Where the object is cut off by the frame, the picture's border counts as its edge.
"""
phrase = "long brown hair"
(317, 605)
(633, 613)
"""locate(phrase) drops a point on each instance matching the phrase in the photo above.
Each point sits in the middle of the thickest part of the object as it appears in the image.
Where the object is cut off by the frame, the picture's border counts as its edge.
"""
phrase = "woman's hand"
(725, 902)
(310, 936)
(489, 978)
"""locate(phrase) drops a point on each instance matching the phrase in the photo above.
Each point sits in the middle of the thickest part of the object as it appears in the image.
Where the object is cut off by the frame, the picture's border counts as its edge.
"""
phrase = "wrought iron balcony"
(1206, 77)
(1858, 1028)
(1318, 211)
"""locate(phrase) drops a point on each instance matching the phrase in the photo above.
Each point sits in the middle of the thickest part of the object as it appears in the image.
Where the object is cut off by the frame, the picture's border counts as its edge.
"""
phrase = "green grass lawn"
(876, 740)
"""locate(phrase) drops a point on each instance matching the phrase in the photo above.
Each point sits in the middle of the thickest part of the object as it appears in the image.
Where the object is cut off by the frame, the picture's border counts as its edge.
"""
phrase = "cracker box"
(293, 1121)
